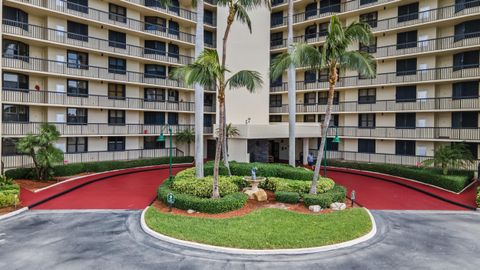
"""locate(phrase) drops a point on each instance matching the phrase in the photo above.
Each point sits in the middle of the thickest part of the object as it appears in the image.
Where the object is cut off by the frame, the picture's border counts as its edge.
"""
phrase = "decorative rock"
(336, 206)
(278, 206)
(315, 208)
(260, 195)
(190, 211)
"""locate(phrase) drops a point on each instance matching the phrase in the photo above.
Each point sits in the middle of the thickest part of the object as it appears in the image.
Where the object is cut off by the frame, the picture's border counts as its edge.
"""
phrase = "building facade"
(99, 71)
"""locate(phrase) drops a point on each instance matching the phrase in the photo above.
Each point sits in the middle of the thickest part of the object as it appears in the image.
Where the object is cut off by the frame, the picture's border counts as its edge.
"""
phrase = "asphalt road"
(114, 240)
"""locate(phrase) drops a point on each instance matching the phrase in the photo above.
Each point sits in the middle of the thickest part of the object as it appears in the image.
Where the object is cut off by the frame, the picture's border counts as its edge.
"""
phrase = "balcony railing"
(16, 161)
(420, 104)
(417, 76)
(102, 17)
(38, 32)
(22, 96)
(78, 70)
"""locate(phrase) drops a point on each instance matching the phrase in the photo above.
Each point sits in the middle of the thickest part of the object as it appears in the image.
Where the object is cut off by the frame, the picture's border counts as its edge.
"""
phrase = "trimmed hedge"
(456, 181)
(478, 197)
(102, 166)
(264, 170)
(299, 186)
(186, 183)
(9, 195)
(205, 205)
(337, 194)
(287, 197)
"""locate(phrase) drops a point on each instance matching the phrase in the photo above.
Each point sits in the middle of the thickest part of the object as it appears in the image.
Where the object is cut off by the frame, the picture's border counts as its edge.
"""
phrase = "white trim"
(297, 251)
(14, 213)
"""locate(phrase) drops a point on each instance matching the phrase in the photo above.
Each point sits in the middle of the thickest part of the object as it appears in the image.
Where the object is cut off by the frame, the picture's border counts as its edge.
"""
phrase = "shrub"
(337, 194)
(263, 170)
(9, 194)
(205, 205)
(187, 183)
(287, 197)
(281, 184)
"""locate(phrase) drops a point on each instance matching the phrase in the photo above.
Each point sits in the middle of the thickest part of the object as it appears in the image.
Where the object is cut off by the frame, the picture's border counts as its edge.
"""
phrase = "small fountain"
(253, 191)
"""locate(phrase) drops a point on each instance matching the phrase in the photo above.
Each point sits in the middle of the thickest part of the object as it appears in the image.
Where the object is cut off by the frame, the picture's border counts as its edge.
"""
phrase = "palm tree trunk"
(291, 91)
(326, 123)
(218, 147)
(199, 99)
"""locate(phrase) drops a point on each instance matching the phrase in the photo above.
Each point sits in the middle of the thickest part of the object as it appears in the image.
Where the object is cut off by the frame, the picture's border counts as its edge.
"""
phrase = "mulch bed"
(33, 185)
(251, 206)
(6, 210)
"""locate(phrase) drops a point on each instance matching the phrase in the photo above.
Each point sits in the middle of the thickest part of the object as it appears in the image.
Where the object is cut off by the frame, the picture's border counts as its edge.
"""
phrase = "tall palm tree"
(207, 70)
(292, 108)
(186, 136)
(334, 57)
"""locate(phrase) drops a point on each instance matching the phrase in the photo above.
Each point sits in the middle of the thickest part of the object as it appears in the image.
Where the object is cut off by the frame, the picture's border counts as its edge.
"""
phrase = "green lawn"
(265, 228)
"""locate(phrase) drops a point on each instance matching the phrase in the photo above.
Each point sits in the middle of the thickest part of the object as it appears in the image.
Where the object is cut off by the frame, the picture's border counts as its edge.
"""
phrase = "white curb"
(14, 213)
(297, 251)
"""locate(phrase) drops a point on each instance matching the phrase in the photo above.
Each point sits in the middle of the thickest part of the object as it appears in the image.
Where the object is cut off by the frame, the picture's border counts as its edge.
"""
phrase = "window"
(173, 28)
(276, 39)
(208, 120)
(366, 120)
(406, 93)
(155, 47)
(464, 119)
(116, 117)
(465, 90)
(155, 24)
(155, 71)
(174, 6)
(116, 91)
(370, 48)
(364, 2)
(366, 146)
(77, 60)
(154, 94)
(275, 118)
(117, 13)
(310, 76)
(150, 142)
(309, 118)
(405, 148)
(463, 4)
(116, 144)
(15, 113)
(333, 120)
(276, 18)
(9, 146)
(172, 118)
(173, 51)
(77, 144)
(323, 98)
(117, 39)
(311, 32)
(154, 118)
(468, 29)
(78, 5)
(117, 65)
(208, 99)
(407, 67)
(77, 88)
(309, 98)
(310, 10)
(405, 120)
(407, 40)
(327, 6)
(15, 49)
(367, 96)
(78, 31)
(331, 146)
(15, 17)
(77, 116)
(466, 60)
(275, 100)
(276, 82)
(472, 147)
(370, 18)
(408, 12)
(323, 75)
(322, 29)
(172, 95)
(15, 81)
(208, 38)
(208, 17)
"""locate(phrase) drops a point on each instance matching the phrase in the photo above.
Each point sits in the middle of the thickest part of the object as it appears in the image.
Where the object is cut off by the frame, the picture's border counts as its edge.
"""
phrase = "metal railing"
(48, 34)
(22, 96)
(420, 104)
(405, 77)
(15, 161)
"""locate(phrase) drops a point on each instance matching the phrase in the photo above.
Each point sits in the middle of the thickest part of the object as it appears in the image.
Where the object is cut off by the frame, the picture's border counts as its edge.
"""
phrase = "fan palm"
(451, 156)
(333, 57)
(207, 70)
(186, 136)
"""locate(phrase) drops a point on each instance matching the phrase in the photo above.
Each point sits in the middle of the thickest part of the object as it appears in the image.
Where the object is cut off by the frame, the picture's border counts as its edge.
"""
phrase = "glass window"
(172, 118)
(117, 13)
(78, 5)
(275, 100)
(464, 119)
(465, 90)
(322, 29)
(117, 65)
(366, 120)
(276, 18)
(155, 71)
(370, 18)
(405, 120)
(208, 99)
(155, 47)
(208, 17)
(208, 38)
(309, 118)
(327, 6)
(116, 117)
(406, 93)
(77, 144)
(150, 142)
(366, 146)
(155, 24)
(173, 28)
(407, 40)
(407, 67)
(116, 144)
(408, 12)
(154, 118)
(15, 81)
(77, 88)
(463, 4)
(309, 98)
(77, 116)
(370, 48)
(275, 118)
(15, 49)
(173, 51)
(172, 95)
(15, 113)
(323, 98)
(208, 120)
(15, 17)
(116, 91)
(367, 96)
(117, 39)
(333, 120)
(78, 31)
(310, 76)
(405, 148)
(468, 29)
(364, 2)
(276, 39)
(154, 94)
(310, 10)
(466, 60)
(311, 31)
(77, 60)
(9, 146)
(174, 6)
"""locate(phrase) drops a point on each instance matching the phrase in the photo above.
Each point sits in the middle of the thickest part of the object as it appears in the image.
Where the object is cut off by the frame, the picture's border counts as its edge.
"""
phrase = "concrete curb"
(298, 251)
(14, 213)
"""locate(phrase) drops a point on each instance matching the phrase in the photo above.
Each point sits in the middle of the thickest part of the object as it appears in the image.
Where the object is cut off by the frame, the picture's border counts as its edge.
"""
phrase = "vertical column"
(306, 142)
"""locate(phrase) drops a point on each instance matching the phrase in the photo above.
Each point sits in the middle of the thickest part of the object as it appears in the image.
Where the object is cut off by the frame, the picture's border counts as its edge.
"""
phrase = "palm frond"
(302, 55)
(206, 70)
(242, 16)
(245, 78)
(363, 62)
(360, 32)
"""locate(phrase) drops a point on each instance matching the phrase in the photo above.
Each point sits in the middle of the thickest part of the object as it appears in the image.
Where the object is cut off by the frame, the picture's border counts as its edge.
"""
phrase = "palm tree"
(231, 131)
(334, 57)
(451, 156)
(207, 70)
(186, 136)
(292, 108)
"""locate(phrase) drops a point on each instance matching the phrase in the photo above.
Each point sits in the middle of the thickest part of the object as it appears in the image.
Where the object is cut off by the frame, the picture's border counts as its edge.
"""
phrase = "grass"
(264, 228)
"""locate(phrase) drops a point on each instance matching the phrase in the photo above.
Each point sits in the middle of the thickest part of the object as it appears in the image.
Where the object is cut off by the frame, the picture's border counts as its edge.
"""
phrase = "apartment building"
(98, 70)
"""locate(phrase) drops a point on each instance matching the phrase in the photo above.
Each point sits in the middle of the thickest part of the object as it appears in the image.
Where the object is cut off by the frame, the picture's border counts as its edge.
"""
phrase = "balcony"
(15, 161)
(418, 76)
(423, 104)
(101, 45)
(103, 17)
